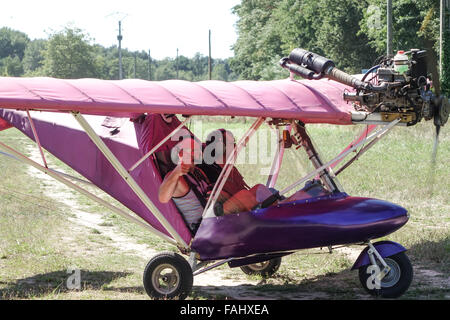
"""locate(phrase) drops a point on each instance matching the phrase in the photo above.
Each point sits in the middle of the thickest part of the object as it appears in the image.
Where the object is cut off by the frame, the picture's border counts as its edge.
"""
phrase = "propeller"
(440, 104)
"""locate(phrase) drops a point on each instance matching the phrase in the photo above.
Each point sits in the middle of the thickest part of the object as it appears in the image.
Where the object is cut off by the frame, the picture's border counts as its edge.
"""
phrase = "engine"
(398, 87)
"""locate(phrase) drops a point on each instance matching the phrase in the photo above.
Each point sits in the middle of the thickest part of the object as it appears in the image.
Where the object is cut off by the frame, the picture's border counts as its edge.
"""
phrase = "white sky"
(159, 25)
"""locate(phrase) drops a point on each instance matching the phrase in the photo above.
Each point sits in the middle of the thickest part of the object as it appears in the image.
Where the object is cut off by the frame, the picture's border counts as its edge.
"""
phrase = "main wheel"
(265, 269)
(168, 276)
(395, 283)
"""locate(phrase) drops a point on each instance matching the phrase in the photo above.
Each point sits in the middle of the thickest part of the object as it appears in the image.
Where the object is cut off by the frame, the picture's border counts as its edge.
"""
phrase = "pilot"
(218, 147)
(189, 187)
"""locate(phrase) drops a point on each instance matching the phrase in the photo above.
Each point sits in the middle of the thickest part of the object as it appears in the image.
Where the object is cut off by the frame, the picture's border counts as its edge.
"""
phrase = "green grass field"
(39, 241)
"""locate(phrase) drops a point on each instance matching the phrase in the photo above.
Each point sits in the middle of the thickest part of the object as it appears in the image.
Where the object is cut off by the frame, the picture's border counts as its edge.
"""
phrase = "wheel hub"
(259, 266)
(393, 276)
(165, 279)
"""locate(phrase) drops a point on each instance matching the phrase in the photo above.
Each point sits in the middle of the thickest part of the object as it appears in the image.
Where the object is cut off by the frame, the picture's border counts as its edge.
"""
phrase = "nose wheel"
(393, 283)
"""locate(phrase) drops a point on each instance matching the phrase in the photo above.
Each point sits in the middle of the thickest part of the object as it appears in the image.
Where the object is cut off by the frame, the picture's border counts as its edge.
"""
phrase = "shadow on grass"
(340, 285)
(435, 252)
(344, 284)
(47, 284)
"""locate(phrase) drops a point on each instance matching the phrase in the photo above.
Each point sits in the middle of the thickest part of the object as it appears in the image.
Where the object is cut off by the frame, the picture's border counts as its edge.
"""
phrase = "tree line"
(350, 32)
(71, 54)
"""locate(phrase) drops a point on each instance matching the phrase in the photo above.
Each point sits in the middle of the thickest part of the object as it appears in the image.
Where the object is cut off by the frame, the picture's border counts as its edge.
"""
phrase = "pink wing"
(309, 101)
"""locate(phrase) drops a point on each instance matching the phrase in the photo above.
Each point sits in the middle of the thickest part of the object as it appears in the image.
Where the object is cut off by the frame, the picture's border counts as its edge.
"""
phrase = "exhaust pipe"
(312, 66)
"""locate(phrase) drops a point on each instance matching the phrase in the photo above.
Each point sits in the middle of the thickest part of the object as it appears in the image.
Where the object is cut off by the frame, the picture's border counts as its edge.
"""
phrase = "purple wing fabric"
(62, 136)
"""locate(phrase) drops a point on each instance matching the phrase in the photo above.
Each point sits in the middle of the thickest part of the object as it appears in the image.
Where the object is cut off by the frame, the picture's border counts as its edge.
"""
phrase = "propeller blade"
(433, 160)
(442, 106)
(432, 62)
(435, 147)
(442, 111)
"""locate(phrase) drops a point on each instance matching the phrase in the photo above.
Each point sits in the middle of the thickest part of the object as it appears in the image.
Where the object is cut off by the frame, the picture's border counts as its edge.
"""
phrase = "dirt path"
(224, 282)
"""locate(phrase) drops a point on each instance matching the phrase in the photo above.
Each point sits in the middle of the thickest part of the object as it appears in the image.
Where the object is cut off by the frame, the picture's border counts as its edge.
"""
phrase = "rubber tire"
(397, 289)
(178, 263)
(269, 270)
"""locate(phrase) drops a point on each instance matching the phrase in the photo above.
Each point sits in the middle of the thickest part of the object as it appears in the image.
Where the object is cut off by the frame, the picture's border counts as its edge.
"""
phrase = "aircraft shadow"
(340, 285)
(57, 282)
(437, 252)
(337, 285)
(344, 284)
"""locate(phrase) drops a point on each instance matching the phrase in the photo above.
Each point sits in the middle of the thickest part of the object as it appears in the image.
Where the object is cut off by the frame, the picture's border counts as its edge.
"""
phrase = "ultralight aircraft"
(114, 133)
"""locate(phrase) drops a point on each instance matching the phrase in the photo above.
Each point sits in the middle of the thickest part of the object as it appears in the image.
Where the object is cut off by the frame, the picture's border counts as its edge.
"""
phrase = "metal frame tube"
(339, 157)
(129, 179)
(55, 171)
(148, 154)
(36, 138)
(276, 164)
(215, 265)
(223, 176)
(360, 153)
(313, 155)
(20, 157)
(73, 178)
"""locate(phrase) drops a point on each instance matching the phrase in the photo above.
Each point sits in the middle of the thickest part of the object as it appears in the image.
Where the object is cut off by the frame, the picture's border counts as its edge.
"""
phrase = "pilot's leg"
(245, 200)
(261, 192)
(242, 201)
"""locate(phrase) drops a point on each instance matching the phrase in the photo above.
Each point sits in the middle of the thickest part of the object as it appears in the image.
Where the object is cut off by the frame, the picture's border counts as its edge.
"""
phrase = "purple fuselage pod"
(309, 223)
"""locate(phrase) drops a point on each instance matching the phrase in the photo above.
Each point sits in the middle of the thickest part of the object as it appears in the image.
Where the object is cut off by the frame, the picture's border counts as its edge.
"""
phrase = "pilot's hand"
(182, 168)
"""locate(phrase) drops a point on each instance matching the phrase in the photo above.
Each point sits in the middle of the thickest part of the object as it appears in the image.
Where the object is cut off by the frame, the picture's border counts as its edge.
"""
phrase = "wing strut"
(375, 136)
(36, 138)
(223, 176)
(8, 151)
(276, 163)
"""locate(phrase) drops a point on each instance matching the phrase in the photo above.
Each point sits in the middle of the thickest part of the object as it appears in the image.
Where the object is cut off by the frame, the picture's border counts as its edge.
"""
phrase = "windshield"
(260, 159)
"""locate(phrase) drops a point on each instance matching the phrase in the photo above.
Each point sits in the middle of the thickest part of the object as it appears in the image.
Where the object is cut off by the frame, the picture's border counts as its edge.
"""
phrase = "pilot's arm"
(174, 184)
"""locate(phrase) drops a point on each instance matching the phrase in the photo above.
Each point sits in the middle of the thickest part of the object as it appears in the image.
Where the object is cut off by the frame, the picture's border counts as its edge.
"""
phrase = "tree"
(445, 79)
(258, 42)
(269, 30)
(165, 69)
(69, 55)
(338, 36)
(350, 32)
(11, 66)
(33, 58)
(407, 18)
(429, 32)
(12, 43)
(221, 70)
(12, 48)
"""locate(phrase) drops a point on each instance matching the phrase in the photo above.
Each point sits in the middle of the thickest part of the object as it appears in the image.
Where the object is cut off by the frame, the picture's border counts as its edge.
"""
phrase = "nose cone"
(382, 216)
(331, 220)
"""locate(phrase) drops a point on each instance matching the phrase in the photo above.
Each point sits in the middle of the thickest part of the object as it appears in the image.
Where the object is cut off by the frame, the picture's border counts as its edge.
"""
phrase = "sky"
(160, 26)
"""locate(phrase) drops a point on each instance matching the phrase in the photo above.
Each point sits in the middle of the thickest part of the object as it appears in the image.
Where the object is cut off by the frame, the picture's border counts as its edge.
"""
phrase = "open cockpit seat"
(152, 129)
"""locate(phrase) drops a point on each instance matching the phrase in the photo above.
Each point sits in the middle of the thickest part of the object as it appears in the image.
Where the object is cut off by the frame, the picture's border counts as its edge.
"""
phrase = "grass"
(38, 241)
